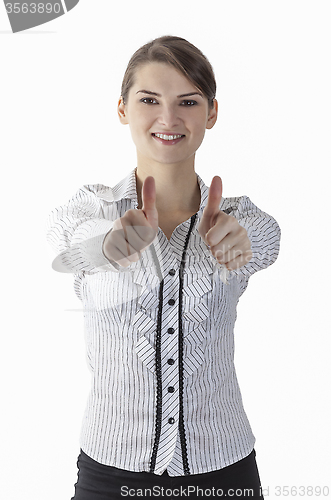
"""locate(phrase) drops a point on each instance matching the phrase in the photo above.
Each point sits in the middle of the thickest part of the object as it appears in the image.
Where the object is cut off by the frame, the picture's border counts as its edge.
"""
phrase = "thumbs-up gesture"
(135, 230)
(226, 238)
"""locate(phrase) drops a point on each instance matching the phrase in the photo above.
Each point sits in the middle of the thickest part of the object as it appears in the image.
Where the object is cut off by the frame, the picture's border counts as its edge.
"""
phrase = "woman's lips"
(171, 142)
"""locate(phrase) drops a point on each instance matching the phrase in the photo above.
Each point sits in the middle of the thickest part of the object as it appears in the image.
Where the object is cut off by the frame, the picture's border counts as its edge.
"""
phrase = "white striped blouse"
(159, 335)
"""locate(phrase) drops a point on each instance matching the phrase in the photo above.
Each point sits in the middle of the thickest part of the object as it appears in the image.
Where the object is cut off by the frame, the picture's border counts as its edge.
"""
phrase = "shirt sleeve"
(76, 232)
(264, 234)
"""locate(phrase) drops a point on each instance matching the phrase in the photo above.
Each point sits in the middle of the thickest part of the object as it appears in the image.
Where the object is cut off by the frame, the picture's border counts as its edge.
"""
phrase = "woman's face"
(156, 105)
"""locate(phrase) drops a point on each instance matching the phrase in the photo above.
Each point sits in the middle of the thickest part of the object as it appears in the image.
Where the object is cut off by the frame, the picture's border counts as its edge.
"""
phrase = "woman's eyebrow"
(159, 95)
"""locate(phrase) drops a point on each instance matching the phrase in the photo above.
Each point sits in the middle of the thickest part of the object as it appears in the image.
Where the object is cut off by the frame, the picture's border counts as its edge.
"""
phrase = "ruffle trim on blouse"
(194, 318)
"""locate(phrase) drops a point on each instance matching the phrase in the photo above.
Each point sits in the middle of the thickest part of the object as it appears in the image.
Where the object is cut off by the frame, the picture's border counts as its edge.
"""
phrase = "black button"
(171, 330)
(171, 361)
(171, 389)
(171, 302)
(172, 272)
(171, 420)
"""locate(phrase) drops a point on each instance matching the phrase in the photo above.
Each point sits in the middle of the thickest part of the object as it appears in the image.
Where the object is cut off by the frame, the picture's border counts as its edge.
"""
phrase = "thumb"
(214, 197)
(148, 196)
(212, 208)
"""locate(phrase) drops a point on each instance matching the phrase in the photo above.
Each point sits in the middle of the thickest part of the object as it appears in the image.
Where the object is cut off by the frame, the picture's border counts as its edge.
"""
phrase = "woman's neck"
(177, 190)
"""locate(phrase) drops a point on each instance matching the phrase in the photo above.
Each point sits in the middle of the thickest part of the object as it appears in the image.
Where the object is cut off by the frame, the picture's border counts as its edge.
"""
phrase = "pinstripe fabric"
(159, 335)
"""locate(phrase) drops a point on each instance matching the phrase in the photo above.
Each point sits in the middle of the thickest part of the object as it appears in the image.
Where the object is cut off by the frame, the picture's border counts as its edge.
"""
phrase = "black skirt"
(102, 482)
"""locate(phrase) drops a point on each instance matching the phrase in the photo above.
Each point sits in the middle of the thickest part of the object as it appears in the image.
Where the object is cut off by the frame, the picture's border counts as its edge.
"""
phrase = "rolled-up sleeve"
(76, 232)
(264, 234)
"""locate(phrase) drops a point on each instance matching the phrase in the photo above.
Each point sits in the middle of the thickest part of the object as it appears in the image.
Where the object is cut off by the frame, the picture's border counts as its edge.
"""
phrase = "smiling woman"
(159, 312)
(165, 116)
(170, 138)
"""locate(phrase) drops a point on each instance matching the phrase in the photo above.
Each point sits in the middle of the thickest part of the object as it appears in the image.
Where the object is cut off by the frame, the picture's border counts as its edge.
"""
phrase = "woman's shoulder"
(100, 190)
(239, 205)
(97, 188)
(232, 204)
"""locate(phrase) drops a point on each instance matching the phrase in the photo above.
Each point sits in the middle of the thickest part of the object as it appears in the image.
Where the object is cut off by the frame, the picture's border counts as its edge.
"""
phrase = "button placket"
(170, 392)
(171, 330)
(171, 353)
(169, 320)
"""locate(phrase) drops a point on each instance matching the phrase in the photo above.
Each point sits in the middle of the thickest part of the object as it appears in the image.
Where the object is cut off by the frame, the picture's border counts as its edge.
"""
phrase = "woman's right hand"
(135, 230)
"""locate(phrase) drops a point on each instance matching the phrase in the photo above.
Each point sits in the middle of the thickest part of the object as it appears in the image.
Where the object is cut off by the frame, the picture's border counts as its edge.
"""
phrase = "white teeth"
(168, 137)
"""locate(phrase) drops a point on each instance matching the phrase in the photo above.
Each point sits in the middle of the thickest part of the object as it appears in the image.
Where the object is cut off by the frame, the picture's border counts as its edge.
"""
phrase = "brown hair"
(181, 54)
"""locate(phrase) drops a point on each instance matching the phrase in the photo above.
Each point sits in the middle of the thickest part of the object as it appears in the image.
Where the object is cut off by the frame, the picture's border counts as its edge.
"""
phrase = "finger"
(229, 249)
(121, 250)
(214, 197)
(222, 253)
(229, 256)
(239, 261)
(211, 211)
(220, 230)
(148, 196)
(131, 239)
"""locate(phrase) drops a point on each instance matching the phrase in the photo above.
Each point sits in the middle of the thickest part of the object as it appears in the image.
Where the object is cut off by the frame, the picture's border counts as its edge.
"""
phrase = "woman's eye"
(190, 103)
(144, 99)
(150, 100)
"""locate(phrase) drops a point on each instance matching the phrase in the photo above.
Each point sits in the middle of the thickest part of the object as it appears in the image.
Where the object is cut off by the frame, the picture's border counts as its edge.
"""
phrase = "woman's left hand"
(226, 238)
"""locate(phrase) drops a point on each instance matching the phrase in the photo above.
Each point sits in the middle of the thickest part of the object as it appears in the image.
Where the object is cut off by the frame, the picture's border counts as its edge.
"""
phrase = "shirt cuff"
(85, 252)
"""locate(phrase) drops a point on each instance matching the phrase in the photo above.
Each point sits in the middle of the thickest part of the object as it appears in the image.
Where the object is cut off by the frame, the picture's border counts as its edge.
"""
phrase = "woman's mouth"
(168, 140)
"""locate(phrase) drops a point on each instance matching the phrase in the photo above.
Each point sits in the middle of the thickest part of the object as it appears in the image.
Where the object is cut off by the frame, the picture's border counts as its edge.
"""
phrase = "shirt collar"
(126, 188)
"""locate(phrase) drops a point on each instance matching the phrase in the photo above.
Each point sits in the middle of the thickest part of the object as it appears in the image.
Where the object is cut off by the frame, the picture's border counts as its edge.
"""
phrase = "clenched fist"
(135, 231)
(226, 238)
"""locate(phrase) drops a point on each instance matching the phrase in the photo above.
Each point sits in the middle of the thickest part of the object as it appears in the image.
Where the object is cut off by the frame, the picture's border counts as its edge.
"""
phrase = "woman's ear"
(212, 117)
(121, 111)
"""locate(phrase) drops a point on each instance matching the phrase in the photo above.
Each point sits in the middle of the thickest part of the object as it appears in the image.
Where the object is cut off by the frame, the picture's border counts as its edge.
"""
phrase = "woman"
(160, 262)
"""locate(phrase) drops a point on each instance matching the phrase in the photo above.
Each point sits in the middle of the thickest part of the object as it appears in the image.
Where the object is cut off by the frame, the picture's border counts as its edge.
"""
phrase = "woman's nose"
(169, 116)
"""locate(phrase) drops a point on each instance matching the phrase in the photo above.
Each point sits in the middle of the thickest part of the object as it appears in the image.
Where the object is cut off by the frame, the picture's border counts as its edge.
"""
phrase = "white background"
(60, 83)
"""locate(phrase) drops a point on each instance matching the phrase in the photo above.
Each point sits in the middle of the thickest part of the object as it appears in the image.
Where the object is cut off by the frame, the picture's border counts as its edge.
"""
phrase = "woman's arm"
(264, 234)
(76, 232)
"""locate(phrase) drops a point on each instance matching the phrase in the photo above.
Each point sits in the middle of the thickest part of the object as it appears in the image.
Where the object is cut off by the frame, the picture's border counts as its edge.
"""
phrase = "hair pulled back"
(181, 54)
